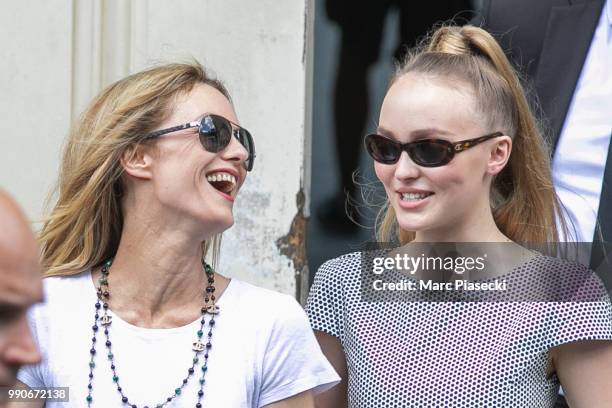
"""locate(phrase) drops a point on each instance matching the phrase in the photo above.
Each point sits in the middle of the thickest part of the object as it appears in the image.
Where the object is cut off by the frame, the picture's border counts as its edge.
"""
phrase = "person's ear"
(136, 161)
(499, 154)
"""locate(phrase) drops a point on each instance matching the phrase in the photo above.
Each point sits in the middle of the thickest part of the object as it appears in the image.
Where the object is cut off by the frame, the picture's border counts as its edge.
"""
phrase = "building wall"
(58, 54)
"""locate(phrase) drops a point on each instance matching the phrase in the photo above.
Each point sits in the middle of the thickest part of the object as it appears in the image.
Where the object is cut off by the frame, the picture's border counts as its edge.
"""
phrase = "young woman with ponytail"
(485, 178)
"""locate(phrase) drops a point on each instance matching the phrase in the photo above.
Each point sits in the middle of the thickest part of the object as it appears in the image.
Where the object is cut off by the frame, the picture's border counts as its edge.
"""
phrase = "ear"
(499, 155)
(136, 161)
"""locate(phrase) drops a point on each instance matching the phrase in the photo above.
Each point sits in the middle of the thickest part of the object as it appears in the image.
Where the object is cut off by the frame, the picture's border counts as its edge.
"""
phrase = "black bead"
(95, 327)
(134, 406)
(200, 393)
(190, 371)
(208, 345)
(108, 343)
(93, 339)
(90, 375)
(119, 389)
(105, 331)
(112, 366)
(209, 289)
(212, 322)
(97, 316)
(124, 399)
(105, 305)
(92, 351)
(185, 381)
(169, 399)
(198, 405)
(89, 386)
(97, 305)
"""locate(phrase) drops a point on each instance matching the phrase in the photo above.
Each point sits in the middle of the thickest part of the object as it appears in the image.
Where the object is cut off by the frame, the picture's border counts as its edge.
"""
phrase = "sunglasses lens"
(215, 133)
(246, 140)
(382, 149)
(429, 153)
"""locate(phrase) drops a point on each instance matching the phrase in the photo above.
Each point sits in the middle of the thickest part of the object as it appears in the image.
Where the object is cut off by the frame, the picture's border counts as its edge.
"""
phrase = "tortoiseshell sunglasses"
(425, 152)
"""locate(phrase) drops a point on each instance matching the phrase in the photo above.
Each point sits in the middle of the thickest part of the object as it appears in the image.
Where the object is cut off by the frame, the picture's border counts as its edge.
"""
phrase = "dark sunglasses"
(215, 134)
(425, 152)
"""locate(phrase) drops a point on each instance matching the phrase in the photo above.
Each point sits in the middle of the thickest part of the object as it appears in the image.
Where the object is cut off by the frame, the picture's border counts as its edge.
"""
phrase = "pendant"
(212, 309)
(105, 320)
(198, 346)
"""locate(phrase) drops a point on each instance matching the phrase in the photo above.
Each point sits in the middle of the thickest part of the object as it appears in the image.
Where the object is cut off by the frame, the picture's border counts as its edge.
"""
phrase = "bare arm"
(301, 400)
(29, 404)
(335, 397)
(585, 371)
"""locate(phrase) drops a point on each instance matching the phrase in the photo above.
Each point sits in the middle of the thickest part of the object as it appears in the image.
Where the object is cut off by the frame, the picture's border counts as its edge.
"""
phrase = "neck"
(157, 279)
(477, 226)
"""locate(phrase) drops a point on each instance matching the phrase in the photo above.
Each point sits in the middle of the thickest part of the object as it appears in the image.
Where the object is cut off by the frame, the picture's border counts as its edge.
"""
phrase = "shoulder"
(568, 280)
(281, 307)
(68, 289)
(340, 268)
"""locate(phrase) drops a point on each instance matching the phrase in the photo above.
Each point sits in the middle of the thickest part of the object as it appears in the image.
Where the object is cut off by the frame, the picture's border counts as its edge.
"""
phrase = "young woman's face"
(188, 180)
(434, 198)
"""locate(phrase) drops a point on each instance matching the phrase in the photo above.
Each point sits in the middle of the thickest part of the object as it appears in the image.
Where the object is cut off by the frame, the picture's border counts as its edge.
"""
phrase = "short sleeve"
(293, 361)
(32, 375)
(325, 304)
(587, 312)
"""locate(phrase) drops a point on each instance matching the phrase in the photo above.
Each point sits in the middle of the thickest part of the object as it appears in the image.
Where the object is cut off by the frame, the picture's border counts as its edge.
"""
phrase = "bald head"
(20, 287)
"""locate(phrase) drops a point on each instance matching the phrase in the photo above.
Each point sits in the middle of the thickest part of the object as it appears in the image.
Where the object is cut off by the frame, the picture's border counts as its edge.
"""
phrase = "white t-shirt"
(263, 350)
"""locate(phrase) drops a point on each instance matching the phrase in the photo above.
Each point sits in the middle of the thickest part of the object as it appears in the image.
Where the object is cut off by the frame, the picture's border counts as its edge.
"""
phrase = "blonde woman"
(459, 154)
(133, 315)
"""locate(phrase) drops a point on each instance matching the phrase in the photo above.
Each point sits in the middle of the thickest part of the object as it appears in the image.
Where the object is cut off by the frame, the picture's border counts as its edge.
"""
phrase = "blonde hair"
(524, 204)
(84, 227)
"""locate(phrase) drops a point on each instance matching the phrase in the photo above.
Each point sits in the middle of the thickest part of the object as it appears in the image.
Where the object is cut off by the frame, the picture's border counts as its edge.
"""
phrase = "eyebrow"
(416, 134)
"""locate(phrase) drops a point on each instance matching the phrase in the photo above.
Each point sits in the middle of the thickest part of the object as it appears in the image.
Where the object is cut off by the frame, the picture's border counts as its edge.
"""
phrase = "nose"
(405, 168)
(235, 151)
(20, 347)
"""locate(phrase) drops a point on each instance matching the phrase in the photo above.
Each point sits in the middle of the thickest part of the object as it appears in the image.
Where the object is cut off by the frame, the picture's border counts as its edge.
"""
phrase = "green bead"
(204, 368)
(202, 380)
(115, 378)
(195, 360)
(200, 333)
(108, 262)
(110, 356)
(177, 391)
(89, 398)
(92, 364)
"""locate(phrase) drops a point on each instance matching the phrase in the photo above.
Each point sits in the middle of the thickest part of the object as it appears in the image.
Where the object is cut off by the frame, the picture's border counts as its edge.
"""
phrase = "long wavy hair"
(84, 226)
(524, 204)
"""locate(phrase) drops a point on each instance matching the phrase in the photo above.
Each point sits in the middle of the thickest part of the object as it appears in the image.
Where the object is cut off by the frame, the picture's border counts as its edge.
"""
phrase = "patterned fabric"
(456, 353)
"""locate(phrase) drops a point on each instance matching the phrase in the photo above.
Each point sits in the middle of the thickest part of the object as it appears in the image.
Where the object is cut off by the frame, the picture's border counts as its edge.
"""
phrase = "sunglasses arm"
(173, 129)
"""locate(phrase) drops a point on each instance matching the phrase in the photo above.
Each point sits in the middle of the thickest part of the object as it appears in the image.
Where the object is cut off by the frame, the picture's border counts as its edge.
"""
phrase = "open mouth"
(222, 181)
(412, 197)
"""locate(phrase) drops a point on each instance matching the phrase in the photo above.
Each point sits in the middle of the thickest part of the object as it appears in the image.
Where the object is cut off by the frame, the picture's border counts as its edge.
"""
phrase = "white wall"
(58, 54)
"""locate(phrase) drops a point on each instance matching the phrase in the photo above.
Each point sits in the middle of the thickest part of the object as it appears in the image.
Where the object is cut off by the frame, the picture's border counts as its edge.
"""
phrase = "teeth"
(221, 177)
(414, 196)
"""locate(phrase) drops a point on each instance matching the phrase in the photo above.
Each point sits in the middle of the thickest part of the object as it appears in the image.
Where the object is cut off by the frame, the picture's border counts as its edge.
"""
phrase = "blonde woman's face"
(433, 198)
(195, 186)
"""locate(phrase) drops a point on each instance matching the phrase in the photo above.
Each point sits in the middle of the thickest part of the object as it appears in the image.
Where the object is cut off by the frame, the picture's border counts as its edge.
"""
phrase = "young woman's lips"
(413, 202)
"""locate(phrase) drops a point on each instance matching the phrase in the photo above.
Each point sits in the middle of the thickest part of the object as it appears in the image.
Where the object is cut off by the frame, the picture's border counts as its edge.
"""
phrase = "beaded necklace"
(199, 346)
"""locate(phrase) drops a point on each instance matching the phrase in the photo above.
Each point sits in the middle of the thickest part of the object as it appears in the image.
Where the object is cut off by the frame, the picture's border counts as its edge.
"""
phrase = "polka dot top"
(457, 353)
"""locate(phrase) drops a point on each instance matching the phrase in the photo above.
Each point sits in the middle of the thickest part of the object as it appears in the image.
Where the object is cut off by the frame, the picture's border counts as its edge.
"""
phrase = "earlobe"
(500, 154)
(136, 161)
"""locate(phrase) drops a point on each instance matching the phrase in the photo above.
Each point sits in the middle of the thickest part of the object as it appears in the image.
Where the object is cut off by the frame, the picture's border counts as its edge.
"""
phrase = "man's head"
(20, 288)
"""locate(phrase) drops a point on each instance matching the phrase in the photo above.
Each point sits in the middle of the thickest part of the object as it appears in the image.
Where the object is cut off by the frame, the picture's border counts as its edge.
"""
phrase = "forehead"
(201, 99)
(416, 102)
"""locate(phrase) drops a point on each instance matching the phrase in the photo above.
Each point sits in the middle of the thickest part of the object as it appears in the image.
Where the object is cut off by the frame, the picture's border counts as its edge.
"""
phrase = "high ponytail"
(524, 204)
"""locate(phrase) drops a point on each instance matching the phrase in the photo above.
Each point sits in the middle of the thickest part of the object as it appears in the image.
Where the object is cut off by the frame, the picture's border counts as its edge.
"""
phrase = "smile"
(222, 181)
(414, 196)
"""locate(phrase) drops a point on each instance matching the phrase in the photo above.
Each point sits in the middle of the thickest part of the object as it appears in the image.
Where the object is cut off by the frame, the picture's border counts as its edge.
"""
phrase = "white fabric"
(263, 350)
(580, 159)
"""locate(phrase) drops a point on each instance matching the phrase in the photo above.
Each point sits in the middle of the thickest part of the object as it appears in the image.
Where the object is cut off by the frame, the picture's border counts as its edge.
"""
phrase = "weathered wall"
(58, 54)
